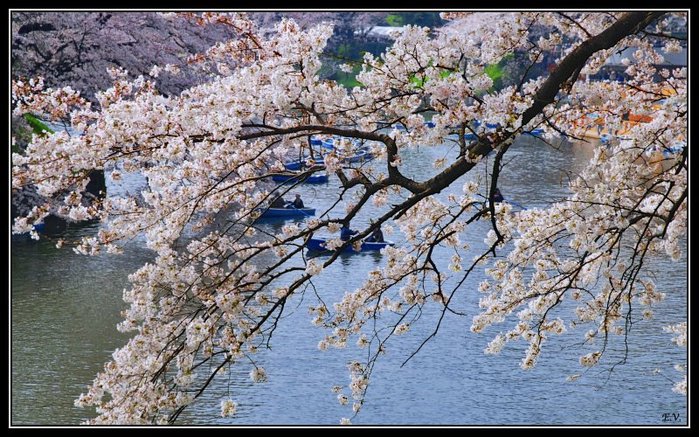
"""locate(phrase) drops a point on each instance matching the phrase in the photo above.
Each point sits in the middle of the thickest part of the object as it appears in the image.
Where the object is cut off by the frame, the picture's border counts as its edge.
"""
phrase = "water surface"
(64, 308)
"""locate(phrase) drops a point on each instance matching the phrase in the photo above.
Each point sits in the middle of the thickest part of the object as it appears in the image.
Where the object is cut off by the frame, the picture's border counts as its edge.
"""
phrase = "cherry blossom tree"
(78, 48)
(216, 292)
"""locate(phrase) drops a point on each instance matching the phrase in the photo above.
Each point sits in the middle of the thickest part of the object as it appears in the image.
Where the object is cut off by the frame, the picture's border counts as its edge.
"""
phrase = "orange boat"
(595, 126)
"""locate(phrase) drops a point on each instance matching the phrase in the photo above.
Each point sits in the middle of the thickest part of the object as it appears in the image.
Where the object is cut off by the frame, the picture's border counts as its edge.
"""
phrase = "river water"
(64, 308)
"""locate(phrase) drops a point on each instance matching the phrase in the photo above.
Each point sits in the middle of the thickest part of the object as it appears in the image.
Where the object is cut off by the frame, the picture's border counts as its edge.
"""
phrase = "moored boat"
(361, 155)
(536, 132)
(298, 165)
(296, 177)
(288, 212)
(318, 245)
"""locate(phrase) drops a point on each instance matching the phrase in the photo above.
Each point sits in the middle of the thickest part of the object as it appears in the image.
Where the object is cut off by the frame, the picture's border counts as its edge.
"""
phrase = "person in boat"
(297, 203)
(346, 232)
(376, 236)
(277, 201)
(497, 196)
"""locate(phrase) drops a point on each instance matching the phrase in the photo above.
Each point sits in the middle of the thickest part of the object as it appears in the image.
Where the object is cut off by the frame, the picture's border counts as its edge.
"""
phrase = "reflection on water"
(65, 308)
(64, 311)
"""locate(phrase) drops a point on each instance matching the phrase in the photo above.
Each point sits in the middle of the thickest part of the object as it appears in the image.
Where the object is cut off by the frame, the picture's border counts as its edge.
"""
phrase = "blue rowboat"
(360, 156)
(51, 225)
(329, 143)
(538, 132)
(470, 137)
(288, 212)
(318, 245)
(477, 123)
(295, 177)
(293, 165)
(667, 152)
(298, 165)
(675, 149)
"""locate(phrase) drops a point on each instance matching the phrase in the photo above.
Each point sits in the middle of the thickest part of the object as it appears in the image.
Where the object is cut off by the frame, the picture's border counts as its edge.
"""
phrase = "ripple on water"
(65, 308)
